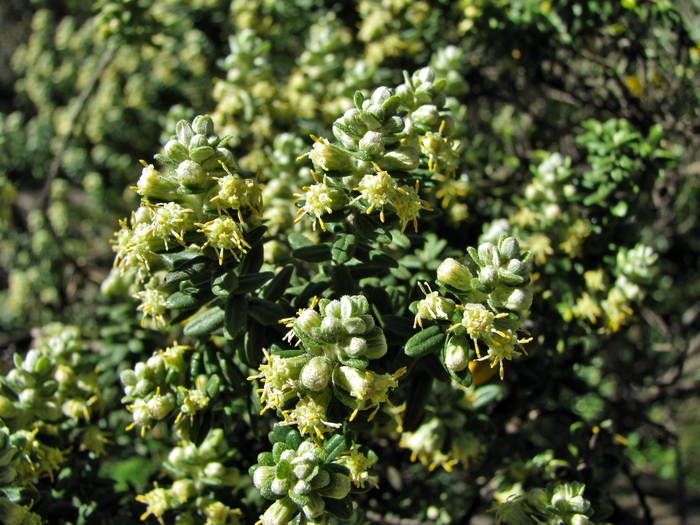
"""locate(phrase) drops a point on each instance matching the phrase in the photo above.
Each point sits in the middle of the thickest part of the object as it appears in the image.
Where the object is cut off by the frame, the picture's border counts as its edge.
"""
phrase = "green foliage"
(390, 260)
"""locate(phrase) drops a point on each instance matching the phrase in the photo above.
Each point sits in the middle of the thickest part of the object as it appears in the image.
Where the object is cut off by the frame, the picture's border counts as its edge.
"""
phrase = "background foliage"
(572, 126)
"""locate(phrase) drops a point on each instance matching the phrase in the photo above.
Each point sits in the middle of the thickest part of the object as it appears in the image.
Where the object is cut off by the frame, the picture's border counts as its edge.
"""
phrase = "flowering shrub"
(397, 260)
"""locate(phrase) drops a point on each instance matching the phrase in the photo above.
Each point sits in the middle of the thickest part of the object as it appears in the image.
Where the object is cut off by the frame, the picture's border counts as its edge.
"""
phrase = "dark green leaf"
(205, 323)
(252, 282)
(236, 316)
(278, 285)
(425, 342)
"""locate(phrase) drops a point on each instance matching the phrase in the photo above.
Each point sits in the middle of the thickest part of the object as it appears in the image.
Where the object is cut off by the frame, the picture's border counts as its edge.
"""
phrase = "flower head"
(223, 233)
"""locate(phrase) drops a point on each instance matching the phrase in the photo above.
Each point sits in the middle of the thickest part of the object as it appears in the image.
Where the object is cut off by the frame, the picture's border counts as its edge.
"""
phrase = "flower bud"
(355, 347)
(508, 249)
(330, 157)
(262, 474)
(454, 274)
(406, 159)
(203, 125)
(160, 406)
(280, 512)
(488, 276)
(316, 373)
(140, 415)
(65, 375)
(457, 353)
(372, 143)
(306, 324)
(176, 151)
(155, 185)
(183, 489)
(191, 175)
(515, 299)
(75, 408)
(427, 115)
(488, 255)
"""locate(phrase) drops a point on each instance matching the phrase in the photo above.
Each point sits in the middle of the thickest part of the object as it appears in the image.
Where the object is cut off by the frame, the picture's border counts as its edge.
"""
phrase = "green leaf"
(189, 269)
(252, 353)
(254, 236)
(315, 253)
(236, 316)
(173, 258)
(334, 447)
(340, 508)
(267, 313)
(425, 342)
(341, 277)
(278, 285)
(188, 298)
(343, 248)
(297, 240)
(252, 282)
(223, 285)
(205, 323)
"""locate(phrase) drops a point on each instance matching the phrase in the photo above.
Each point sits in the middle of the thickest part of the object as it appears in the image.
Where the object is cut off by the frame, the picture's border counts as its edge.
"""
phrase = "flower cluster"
(492, 306)
(199, 203)
(301, 477)
(195, 471)
(338, 341)
(156, 388)
(378, 141)
(554, 504)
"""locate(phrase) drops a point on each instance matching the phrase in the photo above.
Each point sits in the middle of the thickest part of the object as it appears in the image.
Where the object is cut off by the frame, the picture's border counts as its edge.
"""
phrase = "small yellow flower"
(223, 233)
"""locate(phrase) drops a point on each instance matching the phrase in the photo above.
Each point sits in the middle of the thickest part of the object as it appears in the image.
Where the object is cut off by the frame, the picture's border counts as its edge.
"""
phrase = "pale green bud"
(280, 512)
(306, 324)
(183, 489)
(508, 248)
(426, 115)
(515, 299)
(488, 275)
(316, 373)
(159, 406)
(354, 325)
(176, 151)
(372, 143)
(538, 499)
(75, 408)
(203, 125)
(330, 157)
(355, 347)
(454, 274)
(405, 159)
(142, 388)
(353, 306)
(191, 175)
(262, 474)
(457, 353)
(140, 414)
(488, 254)
(156, 185)
(65, 375)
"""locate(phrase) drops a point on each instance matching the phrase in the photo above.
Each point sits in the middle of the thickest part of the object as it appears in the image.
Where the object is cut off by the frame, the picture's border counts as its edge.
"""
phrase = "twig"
(107, 55)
